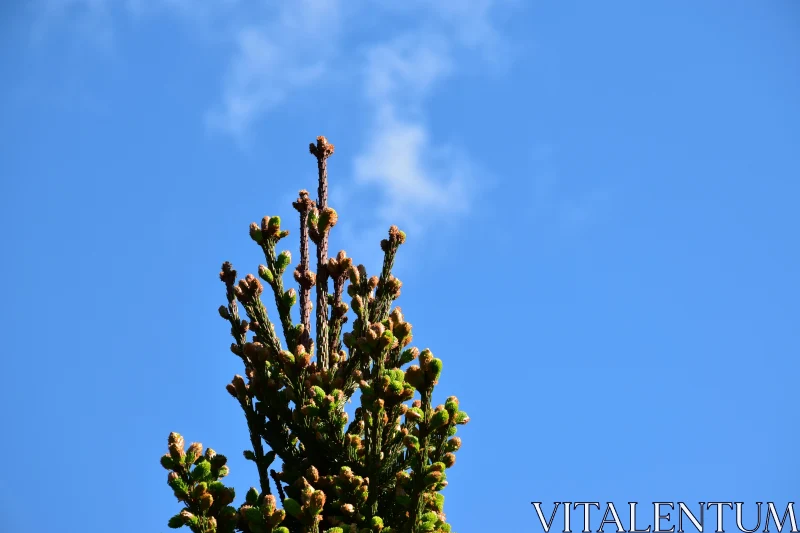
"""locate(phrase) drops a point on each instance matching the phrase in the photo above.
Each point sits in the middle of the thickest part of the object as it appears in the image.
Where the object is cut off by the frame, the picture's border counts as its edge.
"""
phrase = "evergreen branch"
(272, 273)
(326, 219)
(302, 274)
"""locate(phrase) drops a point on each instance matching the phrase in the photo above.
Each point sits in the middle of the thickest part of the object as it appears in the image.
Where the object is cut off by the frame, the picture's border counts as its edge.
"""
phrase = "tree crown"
(382, 471)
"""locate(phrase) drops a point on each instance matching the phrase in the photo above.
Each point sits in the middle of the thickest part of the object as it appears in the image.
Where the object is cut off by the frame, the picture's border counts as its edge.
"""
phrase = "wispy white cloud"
(283, 48)
(405, 69)
(414, 175)
(260, 78)
(422, 180)
(418, 178)
(472, 25)
(287, 52)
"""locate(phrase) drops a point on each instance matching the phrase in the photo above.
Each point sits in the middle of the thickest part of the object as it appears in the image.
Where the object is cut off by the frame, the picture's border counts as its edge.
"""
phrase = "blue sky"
(601, 206)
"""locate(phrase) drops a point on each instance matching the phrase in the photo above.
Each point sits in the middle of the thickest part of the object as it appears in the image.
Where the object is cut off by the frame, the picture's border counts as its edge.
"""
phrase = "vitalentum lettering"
(667, 517)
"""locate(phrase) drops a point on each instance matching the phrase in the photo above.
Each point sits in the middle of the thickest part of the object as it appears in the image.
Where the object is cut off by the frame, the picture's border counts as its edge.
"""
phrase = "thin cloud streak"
(277, 57)
(282, 50)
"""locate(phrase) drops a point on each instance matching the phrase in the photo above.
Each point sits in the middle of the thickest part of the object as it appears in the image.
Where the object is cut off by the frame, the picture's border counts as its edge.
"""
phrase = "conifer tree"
(384, 470)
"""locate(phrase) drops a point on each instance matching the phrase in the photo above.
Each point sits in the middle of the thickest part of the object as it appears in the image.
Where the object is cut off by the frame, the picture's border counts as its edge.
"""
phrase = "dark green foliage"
(381, 472)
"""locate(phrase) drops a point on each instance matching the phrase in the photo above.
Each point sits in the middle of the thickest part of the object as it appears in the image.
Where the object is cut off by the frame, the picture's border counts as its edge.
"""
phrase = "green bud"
(411, 442)
(179, 487)
(310, 410)
(281, 529)
(201, 471)
(386, 339)
(194, 451)
(274, 225)
(252, 496)
(269, 457)
(376, 523)
(249, 455)
(176, 522)
(434, 370)
(396, 388)
(253, 515)
(436, 467)
(407, 356)
(438, 501)
(287, 356)
(415, 413)
(439, 419)
(284, 258)
(292, 507)
(429, 520)
(290, 298)
(433, 477)
(223, 312)
(451, 405)
(167, 462)
(408, 392)
(461, 418)
(265, 274)
(199, 489)
(216, 487)
(319, 394)
(188, 518)
(334, 530)
(255, 233)
(327, 219)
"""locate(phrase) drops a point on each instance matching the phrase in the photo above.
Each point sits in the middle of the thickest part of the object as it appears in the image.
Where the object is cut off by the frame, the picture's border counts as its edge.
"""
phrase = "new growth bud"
(322, 150)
